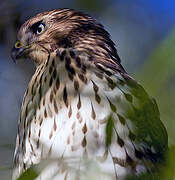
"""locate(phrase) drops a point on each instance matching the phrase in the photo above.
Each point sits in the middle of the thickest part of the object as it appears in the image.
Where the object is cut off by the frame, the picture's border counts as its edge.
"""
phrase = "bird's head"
(35, 39)
(63, 28)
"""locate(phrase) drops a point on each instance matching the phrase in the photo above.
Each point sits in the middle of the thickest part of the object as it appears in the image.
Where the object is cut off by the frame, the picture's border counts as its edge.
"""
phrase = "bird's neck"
(65, 73)
(62, 72)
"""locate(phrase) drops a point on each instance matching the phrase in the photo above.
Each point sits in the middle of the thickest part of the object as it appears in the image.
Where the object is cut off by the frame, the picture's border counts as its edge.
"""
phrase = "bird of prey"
(81, 105)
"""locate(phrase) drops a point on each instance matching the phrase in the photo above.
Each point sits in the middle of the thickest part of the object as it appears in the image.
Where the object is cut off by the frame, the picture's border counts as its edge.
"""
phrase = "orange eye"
(18, 44)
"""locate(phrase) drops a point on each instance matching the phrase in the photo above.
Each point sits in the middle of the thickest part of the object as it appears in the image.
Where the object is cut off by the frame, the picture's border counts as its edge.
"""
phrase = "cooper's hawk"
(81, 104)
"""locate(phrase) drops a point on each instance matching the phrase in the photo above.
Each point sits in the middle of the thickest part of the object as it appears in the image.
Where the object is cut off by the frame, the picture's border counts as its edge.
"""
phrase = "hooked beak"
(18, 51)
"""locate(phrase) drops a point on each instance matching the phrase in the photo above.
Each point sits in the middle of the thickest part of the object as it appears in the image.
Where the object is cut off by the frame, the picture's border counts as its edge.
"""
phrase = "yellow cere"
(18, 44)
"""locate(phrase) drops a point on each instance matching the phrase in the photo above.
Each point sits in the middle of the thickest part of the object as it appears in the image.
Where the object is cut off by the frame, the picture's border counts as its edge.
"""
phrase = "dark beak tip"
(17, 53)
(13, 55)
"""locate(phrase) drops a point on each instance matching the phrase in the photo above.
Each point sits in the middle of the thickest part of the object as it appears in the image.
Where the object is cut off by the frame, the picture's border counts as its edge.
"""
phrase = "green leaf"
(29, 174)
(109, 130)
(128, 97)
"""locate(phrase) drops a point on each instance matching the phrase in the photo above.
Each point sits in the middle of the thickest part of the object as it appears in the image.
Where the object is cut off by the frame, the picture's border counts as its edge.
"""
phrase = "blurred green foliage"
(29, 174)
(166, 172)
(158, 78)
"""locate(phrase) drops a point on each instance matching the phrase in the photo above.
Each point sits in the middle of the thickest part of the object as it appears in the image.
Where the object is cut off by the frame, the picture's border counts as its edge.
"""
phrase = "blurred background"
(144, 33)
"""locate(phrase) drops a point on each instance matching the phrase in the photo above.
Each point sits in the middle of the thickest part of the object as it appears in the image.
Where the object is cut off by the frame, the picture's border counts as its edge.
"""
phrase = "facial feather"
(66, 28)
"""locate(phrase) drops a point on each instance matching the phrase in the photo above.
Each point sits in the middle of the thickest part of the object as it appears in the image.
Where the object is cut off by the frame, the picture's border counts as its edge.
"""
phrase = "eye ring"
(40, 28)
